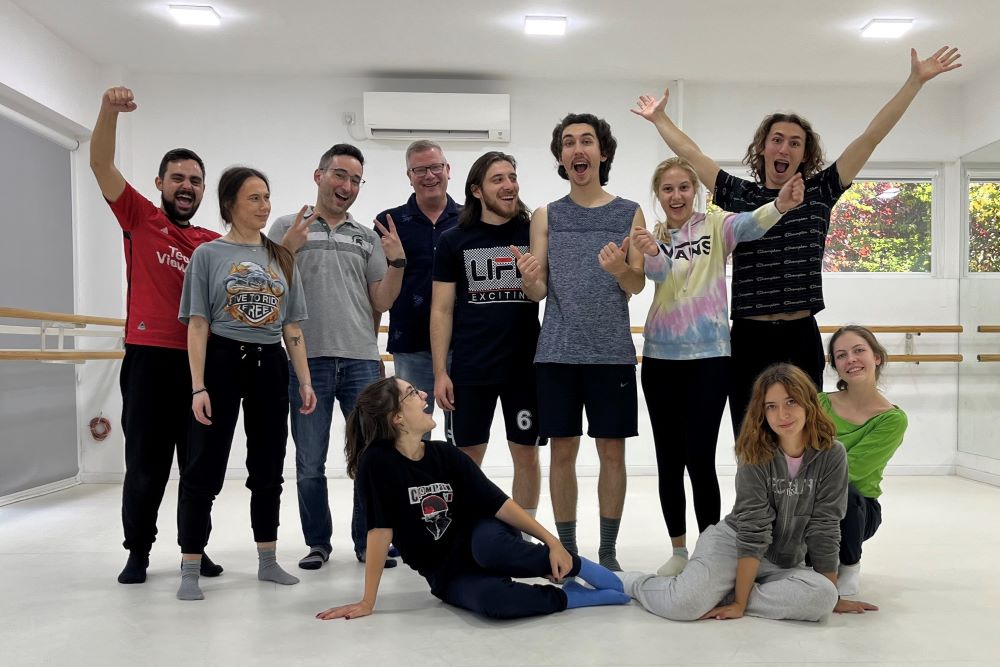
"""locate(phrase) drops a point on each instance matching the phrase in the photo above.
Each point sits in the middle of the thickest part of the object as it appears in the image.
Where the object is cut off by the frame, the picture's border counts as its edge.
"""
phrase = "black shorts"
(475, 404)
(606, 391)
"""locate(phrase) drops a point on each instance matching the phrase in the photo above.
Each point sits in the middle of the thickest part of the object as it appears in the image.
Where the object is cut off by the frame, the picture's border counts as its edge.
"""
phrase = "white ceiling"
(769, 41)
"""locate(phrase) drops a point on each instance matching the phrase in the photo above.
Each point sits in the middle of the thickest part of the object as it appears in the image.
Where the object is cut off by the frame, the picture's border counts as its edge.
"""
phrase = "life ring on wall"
(100, 428)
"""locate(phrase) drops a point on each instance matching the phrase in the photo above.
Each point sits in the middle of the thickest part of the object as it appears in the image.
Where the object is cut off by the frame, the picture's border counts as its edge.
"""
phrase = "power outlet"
(348, 118)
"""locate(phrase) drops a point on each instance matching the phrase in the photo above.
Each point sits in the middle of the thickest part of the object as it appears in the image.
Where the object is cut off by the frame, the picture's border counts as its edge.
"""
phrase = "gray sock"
(189, 590)
(269, 570)
(607, 553)
(567, 535)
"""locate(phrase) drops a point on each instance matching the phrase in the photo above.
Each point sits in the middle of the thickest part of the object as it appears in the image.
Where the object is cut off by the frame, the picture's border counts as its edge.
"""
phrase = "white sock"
(676, 563)
(849, 579)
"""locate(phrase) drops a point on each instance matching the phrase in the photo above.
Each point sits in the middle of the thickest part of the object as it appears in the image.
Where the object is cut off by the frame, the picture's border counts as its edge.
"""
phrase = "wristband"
(198, 391)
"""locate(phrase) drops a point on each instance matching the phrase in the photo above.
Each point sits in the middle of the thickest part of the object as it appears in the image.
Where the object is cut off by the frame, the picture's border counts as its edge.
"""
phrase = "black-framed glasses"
(343, 176)
(435, 169)
(409, 392)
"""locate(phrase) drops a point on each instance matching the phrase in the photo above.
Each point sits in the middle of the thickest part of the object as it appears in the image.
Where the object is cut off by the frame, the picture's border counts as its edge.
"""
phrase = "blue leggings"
(486, 587)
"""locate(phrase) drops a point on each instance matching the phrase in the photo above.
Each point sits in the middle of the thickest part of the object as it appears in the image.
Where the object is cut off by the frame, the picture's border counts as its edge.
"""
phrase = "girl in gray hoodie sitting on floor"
(791, 493)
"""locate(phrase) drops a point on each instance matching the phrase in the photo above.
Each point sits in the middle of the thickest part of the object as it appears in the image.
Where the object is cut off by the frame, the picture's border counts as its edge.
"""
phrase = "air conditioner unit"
(439, 116)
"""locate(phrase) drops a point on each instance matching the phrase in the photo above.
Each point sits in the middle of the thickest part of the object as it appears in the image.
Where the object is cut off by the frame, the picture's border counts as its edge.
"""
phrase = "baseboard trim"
(978, 475)
(43, 490)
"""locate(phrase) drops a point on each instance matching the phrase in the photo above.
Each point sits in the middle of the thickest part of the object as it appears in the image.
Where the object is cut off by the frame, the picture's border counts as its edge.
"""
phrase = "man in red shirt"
(155, 379)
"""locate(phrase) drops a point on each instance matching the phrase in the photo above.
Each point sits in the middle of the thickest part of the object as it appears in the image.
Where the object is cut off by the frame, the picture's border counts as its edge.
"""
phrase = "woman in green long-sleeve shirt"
(871, 429)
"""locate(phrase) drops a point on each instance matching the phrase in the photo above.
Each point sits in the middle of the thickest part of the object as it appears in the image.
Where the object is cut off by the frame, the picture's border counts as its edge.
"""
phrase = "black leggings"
(685, 399)
(863, 517)
(257, 376)
(758, 344)
(485, 586)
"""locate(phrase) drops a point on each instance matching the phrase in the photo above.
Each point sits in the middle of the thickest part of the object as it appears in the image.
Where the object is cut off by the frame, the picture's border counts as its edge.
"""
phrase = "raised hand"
(649, 107)
(118, 100)
(298, 233)
(612, 257)
(943, 60)
(791, 195)
(527, 264)
(392, 247)
(644, 242)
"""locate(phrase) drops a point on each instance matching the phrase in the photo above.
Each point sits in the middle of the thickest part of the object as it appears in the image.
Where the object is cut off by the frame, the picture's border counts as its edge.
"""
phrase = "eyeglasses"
(409, 392)
(435, 169)
(342, 176)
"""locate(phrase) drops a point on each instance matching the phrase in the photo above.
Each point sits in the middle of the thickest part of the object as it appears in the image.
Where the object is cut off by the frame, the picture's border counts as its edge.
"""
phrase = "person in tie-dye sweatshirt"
(685, 365)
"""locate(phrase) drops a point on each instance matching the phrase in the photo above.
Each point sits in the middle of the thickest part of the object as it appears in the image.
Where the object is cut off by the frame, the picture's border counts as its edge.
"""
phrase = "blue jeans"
(417, 368)
(333, 378)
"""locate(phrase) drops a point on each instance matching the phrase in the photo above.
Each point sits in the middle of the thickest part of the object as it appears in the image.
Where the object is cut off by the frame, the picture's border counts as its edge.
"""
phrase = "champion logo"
(166, 231)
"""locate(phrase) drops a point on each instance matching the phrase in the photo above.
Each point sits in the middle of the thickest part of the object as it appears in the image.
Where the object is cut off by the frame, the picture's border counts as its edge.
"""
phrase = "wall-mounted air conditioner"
(437, 116)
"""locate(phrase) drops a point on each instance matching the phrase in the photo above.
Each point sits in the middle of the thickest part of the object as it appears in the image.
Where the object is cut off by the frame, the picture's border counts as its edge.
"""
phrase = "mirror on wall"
(979, 306)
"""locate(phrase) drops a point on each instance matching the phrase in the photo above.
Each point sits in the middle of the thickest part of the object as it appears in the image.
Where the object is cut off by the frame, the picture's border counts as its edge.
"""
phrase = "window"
(984, 224)
(881, 225)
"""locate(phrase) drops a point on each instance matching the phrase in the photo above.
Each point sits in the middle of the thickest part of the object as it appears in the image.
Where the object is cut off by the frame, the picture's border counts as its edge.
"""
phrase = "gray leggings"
(798, 593)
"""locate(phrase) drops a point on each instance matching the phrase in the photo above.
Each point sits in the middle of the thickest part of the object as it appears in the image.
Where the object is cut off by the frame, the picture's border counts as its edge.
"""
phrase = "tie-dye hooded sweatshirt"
(689, 317)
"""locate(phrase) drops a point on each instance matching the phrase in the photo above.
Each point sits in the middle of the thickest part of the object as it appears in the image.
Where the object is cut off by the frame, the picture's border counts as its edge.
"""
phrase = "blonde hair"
(757, 443)
(660, 231)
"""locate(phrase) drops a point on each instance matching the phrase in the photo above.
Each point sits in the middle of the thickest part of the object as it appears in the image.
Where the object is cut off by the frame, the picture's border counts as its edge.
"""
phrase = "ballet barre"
(988, 328)
(60, 325)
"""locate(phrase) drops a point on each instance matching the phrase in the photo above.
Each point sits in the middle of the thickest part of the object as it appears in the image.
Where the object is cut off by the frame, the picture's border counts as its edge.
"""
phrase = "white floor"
(933, 569)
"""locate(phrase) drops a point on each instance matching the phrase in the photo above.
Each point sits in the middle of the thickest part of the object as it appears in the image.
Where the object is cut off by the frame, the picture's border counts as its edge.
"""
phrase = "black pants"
(686, 399)
(156, 411)
(864, 516)
(485, 586)
(257, 375)
(757, 345)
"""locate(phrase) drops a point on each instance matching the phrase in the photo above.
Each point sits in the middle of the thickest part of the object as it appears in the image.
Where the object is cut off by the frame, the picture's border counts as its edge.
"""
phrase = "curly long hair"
(370, 422)
(605, 141)
(812, 159)
(757, 442)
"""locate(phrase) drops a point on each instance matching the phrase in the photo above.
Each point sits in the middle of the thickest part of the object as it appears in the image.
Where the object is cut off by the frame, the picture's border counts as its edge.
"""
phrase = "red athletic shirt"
(157, 253)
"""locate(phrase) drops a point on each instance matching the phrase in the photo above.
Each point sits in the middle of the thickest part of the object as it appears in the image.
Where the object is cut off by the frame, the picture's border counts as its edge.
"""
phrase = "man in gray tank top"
(582, 261)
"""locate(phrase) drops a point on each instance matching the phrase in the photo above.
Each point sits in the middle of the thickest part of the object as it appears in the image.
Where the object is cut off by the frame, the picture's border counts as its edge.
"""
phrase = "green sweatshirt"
(869, 445)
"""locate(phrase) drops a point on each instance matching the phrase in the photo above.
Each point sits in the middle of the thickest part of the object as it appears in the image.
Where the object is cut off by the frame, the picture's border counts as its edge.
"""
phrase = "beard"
(497, 207)
(173, 214)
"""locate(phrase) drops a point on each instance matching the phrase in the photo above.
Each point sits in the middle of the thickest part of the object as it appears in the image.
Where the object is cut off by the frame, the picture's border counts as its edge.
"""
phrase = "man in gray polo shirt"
(348, 272)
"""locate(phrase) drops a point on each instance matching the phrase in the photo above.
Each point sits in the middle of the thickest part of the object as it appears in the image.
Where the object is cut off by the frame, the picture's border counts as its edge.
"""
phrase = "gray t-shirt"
(586, 311)
(241, 291)
(336, 266)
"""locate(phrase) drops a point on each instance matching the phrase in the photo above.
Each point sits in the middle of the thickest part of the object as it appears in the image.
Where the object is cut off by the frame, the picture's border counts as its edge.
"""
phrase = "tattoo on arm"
(296, 340)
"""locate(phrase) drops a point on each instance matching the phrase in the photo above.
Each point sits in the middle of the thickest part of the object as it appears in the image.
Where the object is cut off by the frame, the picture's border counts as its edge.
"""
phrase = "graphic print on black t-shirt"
(433, 500)
(253, 294)
(493, 275)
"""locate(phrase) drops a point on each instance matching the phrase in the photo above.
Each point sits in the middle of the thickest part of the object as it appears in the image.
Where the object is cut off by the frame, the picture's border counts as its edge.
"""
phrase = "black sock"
(208, 568)
(135, 569)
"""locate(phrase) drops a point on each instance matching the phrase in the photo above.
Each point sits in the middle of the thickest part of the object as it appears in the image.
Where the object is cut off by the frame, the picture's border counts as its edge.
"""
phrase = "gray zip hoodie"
(783, 519)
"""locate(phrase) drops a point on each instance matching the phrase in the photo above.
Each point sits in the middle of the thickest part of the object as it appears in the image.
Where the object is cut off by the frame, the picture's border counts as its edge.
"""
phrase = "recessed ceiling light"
(545, 25)
(886, 28)
(195, 14)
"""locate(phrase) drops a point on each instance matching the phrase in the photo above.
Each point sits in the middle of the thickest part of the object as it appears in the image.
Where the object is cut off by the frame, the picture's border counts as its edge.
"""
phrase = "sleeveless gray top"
(586, 312)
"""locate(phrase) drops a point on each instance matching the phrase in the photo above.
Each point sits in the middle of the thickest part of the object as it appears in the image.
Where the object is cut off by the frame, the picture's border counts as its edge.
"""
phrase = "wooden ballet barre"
(988, 357)
(45, 316)
(60, 355)
(922, 358)
(988, 328)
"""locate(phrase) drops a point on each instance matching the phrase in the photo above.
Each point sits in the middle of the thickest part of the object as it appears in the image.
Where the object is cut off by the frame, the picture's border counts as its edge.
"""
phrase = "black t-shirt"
(783, 271)
(495, 327)
(431, 505)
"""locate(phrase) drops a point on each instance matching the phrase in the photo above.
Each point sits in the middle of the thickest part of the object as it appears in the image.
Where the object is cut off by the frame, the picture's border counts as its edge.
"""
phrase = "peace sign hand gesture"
(392, 246)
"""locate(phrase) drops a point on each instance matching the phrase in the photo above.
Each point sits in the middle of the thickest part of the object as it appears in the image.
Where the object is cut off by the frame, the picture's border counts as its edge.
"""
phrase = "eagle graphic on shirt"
(253, 294)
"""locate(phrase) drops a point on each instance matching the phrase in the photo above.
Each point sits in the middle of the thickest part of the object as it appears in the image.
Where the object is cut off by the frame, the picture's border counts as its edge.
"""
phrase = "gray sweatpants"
(709, 579)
